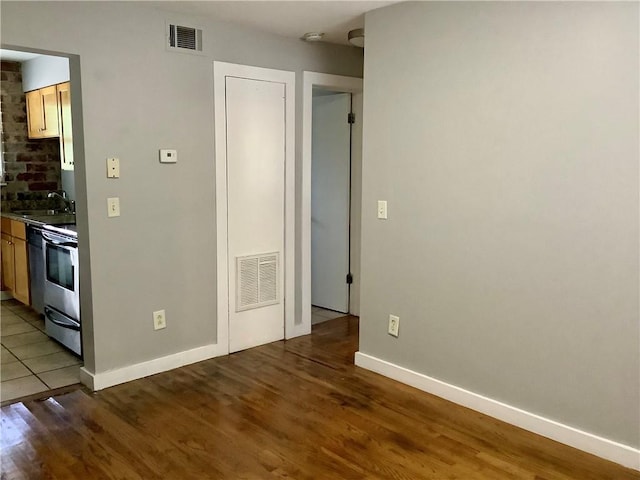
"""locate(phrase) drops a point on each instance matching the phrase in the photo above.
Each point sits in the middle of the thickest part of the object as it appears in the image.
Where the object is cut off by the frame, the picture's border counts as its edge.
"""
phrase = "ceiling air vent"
(185, 38)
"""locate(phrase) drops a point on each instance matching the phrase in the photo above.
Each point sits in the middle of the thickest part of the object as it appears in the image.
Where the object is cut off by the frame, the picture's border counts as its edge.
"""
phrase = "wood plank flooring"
(297, 409)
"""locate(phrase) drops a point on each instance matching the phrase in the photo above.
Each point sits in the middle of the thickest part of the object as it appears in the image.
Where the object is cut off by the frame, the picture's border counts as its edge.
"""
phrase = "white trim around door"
(221, 70)
(334, 83)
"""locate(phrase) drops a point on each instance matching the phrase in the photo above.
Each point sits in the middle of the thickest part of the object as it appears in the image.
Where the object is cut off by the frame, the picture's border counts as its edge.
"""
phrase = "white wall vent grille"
(257, 281)
(183, 38)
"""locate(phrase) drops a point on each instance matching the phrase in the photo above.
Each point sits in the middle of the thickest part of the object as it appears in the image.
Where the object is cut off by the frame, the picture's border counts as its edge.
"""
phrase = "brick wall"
(32, 167)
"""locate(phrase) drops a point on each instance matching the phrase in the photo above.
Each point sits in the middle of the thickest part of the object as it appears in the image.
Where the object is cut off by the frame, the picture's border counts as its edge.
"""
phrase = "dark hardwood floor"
(297, 409)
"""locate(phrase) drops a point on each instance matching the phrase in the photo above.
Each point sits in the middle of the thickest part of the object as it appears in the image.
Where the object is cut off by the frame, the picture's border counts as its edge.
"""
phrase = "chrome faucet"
(69, 205)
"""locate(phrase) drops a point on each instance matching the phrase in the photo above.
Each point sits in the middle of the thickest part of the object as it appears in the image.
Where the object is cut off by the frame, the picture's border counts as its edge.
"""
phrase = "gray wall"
(44, 71)
(136, 99)
(505, 138)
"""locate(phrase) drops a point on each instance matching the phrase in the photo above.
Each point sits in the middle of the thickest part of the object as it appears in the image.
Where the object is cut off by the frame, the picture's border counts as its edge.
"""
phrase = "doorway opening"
(42, 344)
(331, 192)
(331, 134)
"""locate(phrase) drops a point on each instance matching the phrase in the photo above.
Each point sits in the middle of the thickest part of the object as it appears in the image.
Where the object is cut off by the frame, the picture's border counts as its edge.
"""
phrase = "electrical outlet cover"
(394, 325)
(113, 168)
(159, 320)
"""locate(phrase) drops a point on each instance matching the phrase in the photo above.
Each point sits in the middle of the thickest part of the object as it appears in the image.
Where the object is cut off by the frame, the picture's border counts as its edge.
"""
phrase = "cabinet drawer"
(6, 225)
(19, 229)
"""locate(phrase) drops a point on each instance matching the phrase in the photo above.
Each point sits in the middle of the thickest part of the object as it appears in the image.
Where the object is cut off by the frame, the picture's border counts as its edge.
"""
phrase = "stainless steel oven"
(61, 292)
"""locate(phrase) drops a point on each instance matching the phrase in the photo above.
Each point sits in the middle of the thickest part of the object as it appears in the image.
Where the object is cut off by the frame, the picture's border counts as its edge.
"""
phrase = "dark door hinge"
(349, 278)
(351, 118)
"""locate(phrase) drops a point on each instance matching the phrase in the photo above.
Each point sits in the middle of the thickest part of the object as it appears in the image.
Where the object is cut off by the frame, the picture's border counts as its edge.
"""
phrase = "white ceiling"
(15, 56)
(286, 18)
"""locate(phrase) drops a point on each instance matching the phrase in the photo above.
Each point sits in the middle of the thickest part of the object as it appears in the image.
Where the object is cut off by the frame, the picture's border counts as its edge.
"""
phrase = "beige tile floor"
(31, 362)
(319, 315)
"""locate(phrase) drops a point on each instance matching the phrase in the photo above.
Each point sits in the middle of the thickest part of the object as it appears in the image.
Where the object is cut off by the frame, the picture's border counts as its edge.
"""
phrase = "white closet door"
(330, 186)
(255, 123)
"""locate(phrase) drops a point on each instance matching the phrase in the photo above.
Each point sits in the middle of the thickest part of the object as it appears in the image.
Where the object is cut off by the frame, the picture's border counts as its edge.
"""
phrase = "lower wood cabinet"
(15, 259)
(8, 276)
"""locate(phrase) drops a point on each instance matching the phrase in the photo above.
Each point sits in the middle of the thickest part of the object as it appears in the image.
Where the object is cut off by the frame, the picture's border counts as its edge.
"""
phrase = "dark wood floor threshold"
(46, 394)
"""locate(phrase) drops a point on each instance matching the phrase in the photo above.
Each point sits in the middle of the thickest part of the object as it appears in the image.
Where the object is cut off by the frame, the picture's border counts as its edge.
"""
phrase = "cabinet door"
(7, 262)
(42, 112)
(50, 109)
(21, 269)
(66, 131)
(35, 114)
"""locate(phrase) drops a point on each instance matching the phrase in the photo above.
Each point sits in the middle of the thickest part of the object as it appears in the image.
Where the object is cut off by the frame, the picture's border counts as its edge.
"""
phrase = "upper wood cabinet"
(35, 114)
(49, 116)
(42, 112)
(64, 120)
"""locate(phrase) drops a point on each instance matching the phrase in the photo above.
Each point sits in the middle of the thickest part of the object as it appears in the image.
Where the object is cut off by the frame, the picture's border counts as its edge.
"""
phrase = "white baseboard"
(602, 447)
(298, 330)
(98, 381)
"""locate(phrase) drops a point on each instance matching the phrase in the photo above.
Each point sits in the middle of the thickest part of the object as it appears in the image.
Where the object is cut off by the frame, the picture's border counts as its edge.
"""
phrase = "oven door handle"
(51, 314)
(55, 242)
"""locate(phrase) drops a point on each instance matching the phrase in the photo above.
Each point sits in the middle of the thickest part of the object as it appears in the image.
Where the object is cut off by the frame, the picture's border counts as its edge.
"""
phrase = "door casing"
(335, 83)
(221, 70)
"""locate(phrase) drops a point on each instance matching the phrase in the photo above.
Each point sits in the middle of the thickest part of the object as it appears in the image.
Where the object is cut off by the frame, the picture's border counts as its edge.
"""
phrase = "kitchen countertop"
(64, 223)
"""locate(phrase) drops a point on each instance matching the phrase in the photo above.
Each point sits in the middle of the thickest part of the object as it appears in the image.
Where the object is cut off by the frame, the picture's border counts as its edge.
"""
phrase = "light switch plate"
(113, 207)
(113, 168)
(168, 156)
(382, 209)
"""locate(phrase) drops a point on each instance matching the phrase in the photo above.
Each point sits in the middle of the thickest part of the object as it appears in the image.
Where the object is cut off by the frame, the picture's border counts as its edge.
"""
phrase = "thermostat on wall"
(168, 156)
